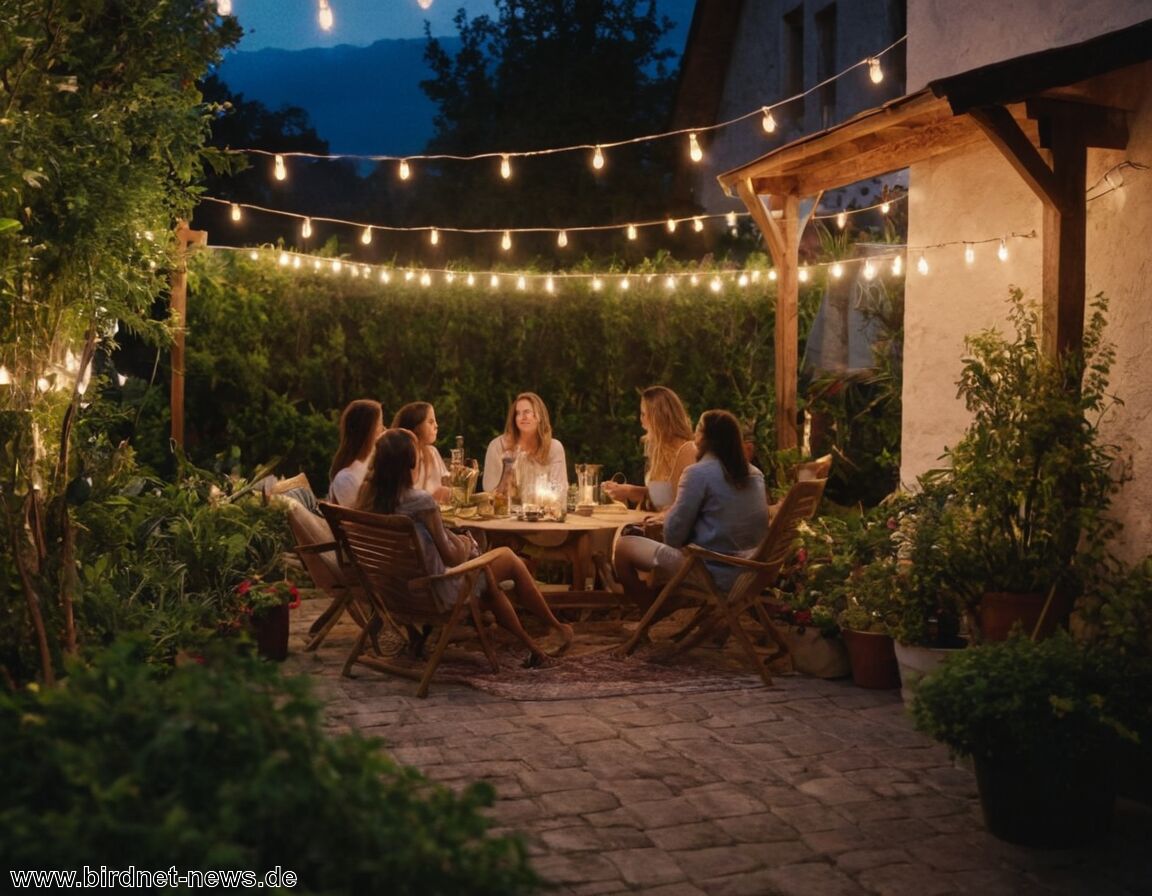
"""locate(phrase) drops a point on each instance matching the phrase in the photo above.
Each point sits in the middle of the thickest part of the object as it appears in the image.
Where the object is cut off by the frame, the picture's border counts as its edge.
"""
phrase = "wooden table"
(575, 536)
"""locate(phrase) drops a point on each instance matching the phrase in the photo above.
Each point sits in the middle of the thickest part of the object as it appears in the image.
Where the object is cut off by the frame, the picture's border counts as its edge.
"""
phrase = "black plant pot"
(1046, 805)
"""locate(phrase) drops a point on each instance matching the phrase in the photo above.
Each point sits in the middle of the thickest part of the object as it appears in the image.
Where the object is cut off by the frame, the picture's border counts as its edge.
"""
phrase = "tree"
(103, 134)
(545, 74)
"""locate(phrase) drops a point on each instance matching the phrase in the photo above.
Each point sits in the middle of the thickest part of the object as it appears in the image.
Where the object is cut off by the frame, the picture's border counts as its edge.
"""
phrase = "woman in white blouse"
(419, 417)
(527, 437)
(360, 425)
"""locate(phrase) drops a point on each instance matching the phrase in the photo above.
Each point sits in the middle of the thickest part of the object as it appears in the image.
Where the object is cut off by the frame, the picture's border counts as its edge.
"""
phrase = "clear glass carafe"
(588, 483)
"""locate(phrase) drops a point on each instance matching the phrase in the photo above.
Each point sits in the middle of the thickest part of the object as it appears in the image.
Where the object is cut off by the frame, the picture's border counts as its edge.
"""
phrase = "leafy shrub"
(226, 766)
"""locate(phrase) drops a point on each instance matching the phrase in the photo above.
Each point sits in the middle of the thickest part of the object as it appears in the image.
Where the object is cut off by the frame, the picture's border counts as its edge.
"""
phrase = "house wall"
(757, 76)
(977, 196)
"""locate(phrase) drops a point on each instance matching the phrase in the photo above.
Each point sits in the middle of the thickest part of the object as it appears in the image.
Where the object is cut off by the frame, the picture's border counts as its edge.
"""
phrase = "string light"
(875, 72)
(493, 281)
(366, 236)
(279, 171)
(471, 280)
(224, 7)
(1002, 252)
(885, 207)
(5, 376)
(425, 4)
(670, 283)
(922, 264)
(802, 275)
(716, 285)
(625, 284)
(897, 265)
(306, 228)
(425, 279)
(631, 231)
(768, 122)
(505, 167)
(698, 224)
(562, 239)
(869, 270)
(842, 220)
(235, 212)
(597, 284)
(598, 159)
(695, 153)
(969, 253)
(405, 171)
(506, 241)
(550, 285)
(772, 275)
(434, 236)
(837, 270)
(325, 16)
(671, 225)
(730, 219)
(521, 283)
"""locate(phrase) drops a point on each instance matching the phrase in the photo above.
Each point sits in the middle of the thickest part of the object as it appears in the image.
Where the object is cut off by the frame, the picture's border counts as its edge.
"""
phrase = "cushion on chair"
(297, 488)
(309, 528)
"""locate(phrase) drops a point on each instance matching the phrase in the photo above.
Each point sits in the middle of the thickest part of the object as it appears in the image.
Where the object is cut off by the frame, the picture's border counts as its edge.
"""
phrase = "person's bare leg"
(633, 556)
(507, 619)
(509, 566)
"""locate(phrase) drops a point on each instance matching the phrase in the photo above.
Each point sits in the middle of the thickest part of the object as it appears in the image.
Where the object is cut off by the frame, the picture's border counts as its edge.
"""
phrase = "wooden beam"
(1064, 234)
(1100, 127)
(1007, 136)
(788, 326)
(178, 304)
(763, 218)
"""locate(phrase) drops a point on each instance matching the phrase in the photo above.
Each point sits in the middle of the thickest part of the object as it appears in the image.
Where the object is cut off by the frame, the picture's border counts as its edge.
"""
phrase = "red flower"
(244, 587)
(294, 593)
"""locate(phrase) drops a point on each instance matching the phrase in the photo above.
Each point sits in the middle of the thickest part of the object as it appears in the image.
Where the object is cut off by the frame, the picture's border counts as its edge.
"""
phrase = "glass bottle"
(505, 492)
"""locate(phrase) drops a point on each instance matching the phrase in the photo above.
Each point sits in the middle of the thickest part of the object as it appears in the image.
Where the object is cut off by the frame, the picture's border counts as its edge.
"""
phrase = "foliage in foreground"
(225, 765)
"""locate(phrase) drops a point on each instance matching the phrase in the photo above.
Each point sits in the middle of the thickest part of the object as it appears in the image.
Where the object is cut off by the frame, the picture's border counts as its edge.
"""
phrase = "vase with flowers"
(265, 606)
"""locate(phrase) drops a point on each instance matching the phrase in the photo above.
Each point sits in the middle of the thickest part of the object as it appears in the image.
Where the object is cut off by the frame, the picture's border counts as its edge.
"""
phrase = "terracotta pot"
(1000, 610)
(270, 630)
(873, 659)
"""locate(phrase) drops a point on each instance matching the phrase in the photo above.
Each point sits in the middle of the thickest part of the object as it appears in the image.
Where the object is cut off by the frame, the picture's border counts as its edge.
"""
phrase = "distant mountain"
(362, 100)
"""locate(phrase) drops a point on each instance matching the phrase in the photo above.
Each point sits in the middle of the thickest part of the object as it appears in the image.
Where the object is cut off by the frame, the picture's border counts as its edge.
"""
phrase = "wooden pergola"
(1041, 111)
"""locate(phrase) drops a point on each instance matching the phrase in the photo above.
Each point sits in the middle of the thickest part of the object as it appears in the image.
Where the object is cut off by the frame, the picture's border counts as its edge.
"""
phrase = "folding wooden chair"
(388, 558)
(720, 610)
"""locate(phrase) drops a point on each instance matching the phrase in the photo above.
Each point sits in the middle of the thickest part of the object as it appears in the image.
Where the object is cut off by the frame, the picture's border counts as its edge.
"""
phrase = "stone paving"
(810, 788)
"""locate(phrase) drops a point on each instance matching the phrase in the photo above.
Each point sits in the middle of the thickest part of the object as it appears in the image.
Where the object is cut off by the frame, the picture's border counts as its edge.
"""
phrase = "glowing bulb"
(325, 16)
(42, 384)
(253, 255)
(235, 212)
(969, 253)
(425, 279)
(802, 276)
(742, 280)
(695, 153)
(698, 224)
(5, 376)
(869, 270)
(671, 225)
(409, 276)
(755, 276)
(224, 7)
(493, 281)
(597, 284)
(562, 239)
(316, 265)
(885, 207)
(730, 219)
(521, 282)
(768, 122)
(405, 171)
(716, 285)
(449, 277)
(121, 378)
(284, 259)
(336, 266)
(279, 170)
(670, 282)
(598, 159)
(837, 270)
(366, 236)
(874, 71)
(296, 262)
(1002, 252)
(772, 275)
(842, 220)
(434, 236)
(505, 167)
(550, 285)
(625, 284)
(922, 264)
(506, 241)
(306, 228)
(424, 4)
(897, 265)
(631, 231)
(353, 270)
(471, 280)
(694, 280)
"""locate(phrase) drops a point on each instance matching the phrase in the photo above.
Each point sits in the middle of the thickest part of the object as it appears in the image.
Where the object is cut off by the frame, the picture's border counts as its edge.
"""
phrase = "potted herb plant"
(1041, 721)
(266, 606)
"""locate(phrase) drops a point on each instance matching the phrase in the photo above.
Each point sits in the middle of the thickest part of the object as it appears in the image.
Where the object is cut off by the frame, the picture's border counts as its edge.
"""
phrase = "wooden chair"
(720, 611)
(388, 558)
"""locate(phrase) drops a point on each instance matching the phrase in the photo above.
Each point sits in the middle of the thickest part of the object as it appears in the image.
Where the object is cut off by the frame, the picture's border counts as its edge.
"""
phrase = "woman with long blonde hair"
(668, 450)
(528, 436)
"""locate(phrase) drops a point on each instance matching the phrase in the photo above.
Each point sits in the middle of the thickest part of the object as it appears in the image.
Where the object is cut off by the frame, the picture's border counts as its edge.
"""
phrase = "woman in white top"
(360, 425)
(419, 417)
(528, 437)
(668, 449)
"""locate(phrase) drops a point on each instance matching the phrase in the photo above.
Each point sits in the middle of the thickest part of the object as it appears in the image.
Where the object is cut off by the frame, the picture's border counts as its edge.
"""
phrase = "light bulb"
(493, 281)
(284, 259)
(837, 270)
(730, 219)
(897, 265)
(424, 4)
(325, 16)
(922, 264)
(598, 159)
(802, 276)
(505, 167)
(772, 275)
(694, 280)
(521, 282)
(278, 169)
(405, 171)
(874, 71)
(366, 236)
(842, 220)
(235, 212)
(742, 280)
(224, 7)
(449, 277)
(296, 262)
(409, 276)
(631, 231)
(969, 253)
(562, 239)
(869, 270)
(550, 285)
(434, 236)
(670, 282)
(306, 228)
(385, 277)
(597, 284)
(5, 376)
(671, 225)
(885, 207)
(625, 284)
(506, 241)
(253, 255)
(471, 280)
(698, 224)
(695, 153)
(425, 279)
(716, 285)
(1002, 252)
(768, 122)
(121, 378)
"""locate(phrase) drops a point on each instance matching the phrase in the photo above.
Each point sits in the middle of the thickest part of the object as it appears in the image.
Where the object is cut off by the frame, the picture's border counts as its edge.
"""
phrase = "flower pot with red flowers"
(266, 606)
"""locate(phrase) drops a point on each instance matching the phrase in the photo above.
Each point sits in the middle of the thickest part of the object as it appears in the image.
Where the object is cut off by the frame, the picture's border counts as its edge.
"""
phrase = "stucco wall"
(946, 37)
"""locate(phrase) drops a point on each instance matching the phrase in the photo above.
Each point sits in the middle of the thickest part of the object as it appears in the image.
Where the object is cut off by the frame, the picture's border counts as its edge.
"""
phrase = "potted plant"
(866, 624)
(265, 606)
(1040, 720)
(1031, 479)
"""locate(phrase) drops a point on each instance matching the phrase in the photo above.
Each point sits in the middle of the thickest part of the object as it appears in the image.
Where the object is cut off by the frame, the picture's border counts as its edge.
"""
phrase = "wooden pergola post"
(185, 239)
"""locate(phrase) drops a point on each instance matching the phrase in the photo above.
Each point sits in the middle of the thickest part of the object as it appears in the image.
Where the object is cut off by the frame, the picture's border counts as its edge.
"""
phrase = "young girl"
(360, 425)
(419, 417)
(668, 450)
(527, 430)
(388, 488)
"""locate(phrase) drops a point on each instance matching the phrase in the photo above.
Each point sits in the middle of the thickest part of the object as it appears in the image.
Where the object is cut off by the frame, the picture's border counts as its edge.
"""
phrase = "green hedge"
(275, 353)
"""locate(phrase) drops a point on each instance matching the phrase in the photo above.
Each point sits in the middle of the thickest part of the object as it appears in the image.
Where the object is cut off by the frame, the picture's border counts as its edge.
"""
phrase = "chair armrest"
(727, 559)
(319, 547)
(467, 566)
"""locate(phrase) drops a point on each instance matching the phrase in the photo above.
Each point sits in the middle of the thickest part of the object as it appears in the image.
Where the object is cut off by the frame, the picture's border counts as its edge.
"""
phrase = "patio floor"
(810, 788)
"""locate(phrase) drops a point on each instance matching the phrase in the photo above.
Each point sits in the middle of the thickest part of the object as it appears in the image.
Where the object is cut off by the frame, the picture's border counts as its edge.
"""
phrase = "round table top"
(607, 516)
